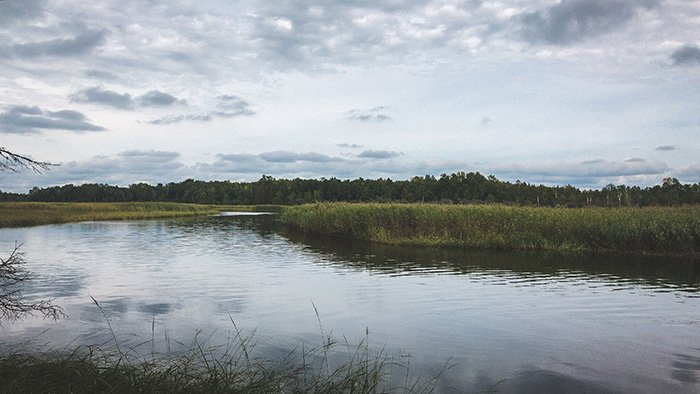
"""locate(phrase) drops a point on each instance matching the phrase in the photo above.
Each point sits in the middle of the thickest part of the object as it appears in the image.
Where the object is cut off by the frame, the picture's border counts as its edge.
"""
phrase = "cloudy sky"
(580, 92)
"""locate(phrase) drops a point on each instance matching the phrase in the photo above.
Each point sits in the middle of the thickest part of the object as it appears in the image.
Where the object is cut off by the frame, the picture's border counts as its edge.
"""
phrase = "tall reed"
(648, 230)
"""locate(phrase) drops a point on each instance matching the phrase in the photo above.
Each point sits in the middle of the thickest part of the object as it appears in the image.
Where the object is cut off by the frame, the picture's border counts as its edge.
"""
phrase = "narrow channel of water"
(514, 322)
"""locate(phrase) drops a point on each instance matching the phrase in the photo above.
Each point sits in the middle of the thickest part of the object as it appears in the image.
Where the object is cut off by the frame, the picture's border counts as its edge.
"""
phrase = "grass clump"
(201, 369)
(19, 214)
(646, 230)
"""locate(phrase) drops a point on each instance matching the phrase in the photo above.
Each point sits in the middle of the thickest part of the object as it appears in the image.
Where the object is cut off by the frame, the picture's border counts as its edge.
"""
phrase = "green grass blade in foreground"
(204, 368)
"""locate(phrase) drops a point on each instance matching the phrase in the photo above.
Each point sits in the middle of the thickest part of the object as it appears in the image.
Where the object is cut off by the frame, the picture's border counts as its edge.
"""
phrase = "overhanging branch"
(12, 161)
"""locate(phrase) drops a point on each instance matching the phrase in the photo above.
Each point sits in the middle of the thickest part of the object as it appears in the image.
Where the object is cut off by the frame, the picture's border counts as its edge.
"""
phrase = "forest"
(456, 188)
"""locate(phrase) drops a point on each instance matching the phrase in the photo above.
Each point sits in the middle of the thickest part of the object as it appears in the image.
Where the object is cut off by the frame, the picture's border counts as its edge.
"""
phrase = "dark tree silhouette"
(10, 161)
(13, 275)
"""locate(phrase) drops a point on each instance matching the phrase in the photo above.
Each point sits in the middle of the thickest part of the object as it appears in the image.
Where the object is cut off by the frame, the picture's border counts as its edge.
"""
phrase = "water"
(513, 322)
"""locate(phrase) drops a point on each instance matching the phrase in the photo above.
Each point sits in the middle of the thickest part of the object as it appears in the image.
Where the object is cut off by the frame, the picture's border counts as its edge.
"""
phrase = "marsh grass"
(252, 208)
(19, 214)
(648, 230)
(204, 368)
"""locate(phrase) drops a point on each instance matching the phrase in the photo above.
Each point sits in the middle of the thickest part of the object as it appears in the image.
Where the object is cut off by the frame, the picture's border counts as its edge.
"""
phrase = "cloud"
(122, 169)
(280, 164)
(170, 119)
(583, 173)
(97, 95)
(689, 173)
(24, 120)
(291, 157)
(239, 163)
(688, 55)
(151, 156)
(104, 75)
(230, 107)
(130, 164)
(444, 62)
(155, 98)
(378, 154)
(665, 148)
(81, 44)
(233, 106)
(18, 11)
(571, 21)
(323, 37)
(373, 115)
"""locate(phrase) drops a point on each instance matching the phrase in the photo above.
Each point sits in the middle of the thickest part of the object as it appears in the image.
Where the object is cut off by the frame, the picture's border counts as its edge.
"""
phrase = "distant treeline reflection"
(457, 188)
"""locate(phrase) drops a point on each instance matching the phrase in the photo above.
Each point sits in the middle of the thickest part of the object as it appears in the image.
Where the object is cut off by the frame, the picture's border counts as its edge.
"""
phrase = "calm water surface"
(513, 322)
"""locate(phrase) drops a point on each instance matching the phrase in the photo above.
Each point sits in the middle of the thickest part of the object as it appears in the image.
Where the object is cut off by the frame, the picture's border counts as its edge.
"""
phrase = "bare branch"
(12, 277)
(12, 161)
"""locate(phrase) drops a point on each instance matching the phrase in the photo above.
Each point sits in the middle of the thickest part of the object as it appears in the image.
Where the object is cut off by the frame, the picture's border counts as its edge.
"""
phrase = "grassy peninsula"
(639, 230)
(18, 214)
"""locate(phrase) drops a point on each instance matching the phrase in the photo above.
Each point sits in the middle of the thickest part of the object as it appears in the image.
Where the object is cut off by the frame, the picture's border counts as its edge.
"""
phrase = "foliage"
(457, 188)
(648, 230)
(13, 275)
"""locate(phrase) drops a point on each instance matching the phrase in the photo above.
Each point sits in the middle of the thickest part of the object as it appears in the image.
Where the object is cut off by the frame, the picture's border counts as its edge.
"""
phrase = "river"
(511, 322)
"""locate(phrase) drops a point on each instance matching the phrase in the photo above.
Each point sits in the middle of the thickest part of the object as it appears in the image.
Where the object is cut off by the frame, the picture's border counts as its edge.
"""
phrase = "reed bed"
(645, 230)
(20, 214)
(252, 208)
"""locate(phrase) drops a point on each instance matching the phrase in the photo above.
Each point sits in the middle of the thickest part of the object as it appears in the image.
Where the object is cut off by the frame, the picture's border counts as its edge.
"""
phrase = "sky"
(571, 92)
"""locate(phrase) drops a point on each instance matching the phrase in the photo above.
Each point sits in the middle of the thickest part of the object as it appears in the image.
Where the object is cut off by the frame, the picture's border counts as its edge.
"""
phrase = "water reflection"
(155, 309)
(520, 268)
(539, 381)
(686, 368)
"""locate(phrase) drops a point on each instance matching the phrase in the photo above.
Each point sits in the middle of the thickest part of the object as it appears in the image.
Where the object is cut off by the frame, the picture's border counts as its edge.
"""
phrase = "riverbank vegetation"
(642, 230)
(457, 188)
(206, 369)
(16, 214)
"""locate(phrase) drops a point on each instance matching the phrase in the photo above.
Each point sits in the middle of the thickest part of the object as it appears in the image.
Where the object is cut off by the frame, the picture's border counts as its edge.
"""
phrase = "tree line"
(457, 188)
